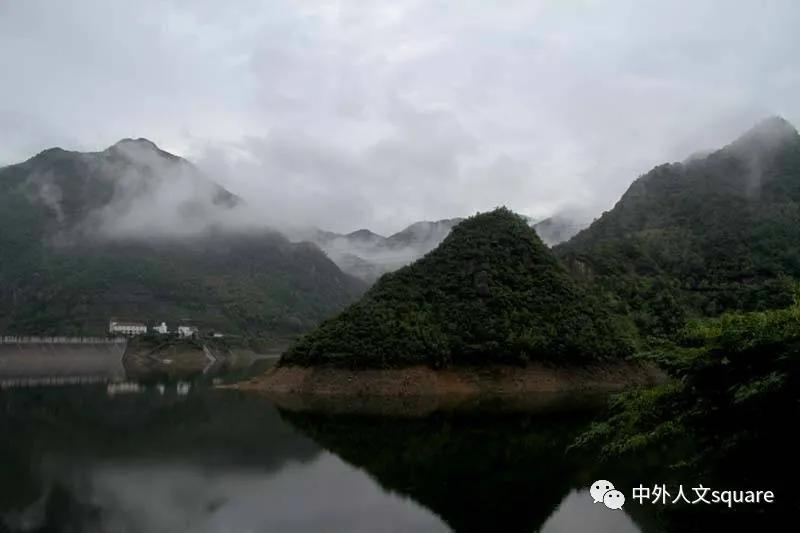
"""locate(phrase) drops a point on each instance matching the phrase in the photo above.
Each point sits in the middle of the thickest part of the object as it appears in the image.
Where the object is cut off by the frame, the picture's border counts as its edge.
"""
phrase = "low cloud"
(156, 195)
(349, 114)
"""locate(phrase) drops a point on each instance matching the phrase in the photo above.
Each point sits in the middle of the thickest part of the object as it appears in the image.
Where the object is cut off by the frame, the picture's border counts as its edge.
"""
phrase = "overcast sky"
(349, 114)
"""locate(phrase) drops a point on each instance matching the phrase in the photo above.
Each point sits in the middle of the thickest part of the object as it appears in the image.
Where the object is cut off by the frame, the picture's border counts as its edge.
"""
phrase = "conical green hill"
(490, 293)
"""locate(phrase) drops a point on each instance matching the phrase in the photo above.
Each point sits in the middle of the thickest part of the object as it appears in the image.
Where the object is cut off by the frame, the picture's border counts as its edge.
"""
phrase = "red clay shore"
(421, 388)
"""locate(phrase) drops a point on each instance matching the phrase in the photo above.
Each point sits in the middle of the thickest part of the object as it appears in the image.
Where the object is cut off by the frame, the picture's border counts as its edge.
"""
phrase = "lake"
(183, 457)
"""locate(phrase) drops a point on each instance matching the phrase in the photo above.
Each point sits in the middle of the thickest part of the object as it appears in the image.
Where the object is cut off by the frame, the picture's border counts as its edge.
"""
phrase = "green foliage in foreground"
(735, 393)
(491, 292)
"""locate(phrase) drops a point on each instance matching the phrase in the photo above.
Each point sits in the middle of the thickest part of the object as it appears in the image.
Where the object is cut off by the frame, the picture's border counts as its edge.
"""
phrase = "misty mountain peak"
(364, 234)
(141, 142)
(49, 153)
(131, 189)
(491, 292)
(769, 134)
(140, 150)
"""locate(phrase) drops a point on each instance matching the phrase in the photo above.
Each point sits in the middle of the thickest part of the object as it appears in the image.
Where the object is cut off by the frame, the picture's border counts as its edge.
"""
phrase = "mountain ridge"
(492, 292)
(368, 255)
(84, 239)
(713, 234)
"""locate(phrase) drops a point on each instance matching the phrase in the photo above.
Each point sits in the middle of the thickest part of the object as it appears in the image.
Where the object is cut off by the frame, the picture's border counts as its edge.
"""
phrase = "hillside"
(491, 292)
(108, 193)
(134, 231)
(367, 255)
(715, 233)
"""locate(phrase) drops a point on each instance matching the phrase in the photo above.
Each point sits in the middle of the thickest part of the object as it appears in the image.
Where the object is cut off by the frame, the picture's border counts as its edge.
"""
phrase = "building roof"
(127, 323)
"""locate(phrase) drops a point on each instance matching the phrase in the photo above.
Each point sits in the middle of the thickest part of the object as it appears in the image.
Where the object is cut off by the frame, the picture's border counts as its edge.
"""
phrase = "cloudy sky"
(349, 114)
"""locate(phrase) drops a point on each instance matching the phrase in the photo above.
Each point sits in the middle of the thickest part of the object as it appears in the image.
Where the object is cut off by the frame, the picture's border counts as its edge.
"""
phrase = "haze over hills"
(132, 188)
(137, 232)
(714, 233)
(561, 227)
(492, 292)
(367, 255)
(134, 230)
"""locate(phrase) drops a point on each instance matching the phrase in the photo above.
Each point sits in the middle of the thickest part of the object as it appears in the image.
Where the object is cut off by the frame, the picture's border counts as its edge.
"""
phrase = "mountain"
(365, 236)
(491, 292)
(475, 471)
(423, 236)
(367, 255)
(137, 232)
(116, 191)
(715, 233)
(559, 228)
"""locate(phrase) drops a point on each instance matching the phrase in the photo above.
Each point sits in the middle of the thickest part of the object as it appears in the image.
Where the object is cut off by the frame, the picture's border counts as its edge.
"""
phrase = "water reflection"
(119, 496)
(510, 471)
(479, 472)
(77, 459)
(573, 514)
(176, 458)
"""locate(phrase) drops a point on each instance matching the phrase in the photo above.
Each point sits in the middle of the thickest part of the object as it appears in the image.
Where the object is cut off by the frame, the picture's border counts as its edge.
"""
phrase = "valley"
(399, 267)
(689, 281)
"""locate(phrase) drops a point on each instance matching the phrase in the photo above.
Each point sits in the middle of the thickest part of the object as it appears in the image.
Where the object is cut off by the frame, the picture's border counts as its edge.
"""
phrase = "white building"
(187, 331)
(122, 327)
(161, 328)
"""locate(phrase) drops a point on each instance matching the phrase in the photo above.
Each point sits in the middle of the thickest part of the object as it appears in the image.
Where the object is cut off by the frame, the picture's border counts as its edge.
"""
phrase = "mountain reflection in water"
(77, 459)
(479, 472)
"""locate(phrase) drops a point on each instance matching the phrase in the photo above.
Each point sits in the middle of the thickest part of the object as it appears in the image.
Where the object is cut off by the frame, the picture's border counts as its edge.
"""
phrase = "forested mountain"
(72, 195)
(136, 232)
(367, 255)
(491, 292)
(714, 233)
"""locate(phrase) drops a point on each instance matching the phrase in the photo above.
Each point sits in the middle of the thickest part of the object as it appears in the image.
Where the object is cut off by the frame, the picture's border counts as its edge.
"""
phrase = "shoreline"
(421, 389)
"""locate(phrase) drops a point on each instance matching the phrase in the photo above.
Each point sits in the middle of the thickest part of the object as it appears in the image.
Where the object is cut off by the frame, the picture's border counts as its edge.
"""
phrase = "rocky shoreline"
(421, 388)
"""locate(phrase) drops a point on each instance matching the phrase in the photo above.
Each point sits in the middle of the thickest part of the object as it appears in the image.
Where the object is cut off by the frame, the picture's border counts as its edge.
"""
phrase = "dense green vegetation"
(705, 256)
(57, 277)
(726, 417)
(243, 284)
(491, 292)
(712, 234)
(726, 370)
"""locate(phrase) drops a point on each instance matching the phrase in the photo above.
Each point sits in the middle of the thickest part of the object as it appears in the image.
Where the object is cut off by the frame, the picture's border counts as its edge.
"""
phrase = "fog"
(156, 195)
(368, 255)
(345, 115)
(133, 190)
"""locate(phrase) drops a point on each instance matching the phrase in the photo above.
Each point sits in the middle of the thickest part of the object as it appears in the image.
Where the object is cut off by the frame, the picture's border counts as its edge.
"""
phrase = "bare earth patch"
(423, 389)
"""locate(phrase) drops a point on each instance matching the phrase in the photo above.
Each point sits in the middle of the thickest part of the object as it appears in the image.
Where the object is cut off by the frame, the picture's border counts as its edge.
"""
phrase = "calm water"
(80, 459)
